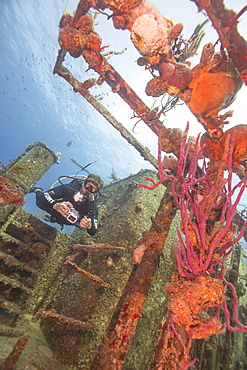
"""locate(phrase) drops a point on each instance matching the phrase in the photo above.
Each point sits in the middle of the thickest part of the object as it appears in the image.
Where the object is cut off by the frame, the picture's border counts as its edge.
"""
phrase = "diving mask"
(91, 186)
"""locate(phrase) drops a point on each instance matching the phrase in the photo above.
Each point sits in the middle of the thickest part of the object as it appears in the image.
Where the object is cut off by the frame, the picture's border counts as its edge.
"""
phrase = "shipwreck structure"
(51, 316)
(80, 302)
(63, 297)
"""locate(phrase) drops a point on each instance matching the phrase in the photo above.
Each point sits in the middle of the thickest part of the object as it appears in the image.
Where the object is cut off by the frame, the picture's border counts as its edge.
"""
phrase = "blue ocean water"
(35, 104)
(39, 106)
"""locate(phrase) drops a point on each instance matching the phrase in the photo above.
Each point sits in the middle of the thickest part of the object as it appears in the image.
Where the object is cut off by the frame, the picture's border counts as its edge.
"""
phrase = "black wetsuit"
(87, 207)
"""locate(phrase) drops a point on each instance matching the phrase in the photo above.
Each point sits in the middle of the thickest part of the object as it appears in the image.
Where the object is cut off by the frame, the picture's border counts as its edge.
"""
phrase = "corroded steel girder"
(171, 140)
(117, 340)
(108, 74)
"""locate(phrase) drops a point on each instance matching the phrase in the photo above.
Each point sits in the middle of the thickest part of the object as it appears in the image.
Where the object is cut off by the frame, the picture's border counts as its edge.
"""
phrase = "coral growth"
(156, 87)
(174, 78)
(213, 148)
(189, 302)
(206, 89)
(117, 6)
(207, 195)
(76, 34)
(149, 36)
(177, 74)
(206, 237)
(203, 195)
(225, 23)
(9, 193)
(151, 33)
(72, 40)
(213, 90)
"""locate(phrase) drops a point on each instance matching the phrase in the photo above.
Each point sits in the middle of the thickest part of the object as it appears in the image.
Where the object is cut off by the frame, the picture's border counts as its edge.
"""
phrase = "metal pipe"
(30, 166)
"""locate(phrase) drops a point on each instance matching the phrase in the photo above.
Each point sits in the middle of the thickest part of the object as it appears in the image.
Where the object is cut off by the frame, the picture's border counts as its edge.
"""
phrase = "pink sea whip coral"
(206, 237)
(202, 196)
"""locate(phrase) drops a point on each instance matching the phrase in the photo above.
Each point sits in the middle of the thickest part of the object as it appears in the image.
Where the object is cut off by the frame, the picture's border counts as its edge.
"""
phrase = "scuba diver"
(73, 203)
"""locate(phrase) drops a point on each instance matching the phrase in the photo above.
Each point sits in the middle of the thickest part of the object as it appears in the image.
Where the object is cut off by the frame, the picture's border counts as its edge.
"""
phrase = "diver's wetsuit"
(87, 207)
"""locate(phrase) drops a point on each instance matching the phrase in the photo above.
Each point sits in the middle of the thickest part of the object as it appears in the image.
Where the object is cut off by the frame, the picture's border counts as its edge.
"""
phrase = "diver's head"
(93, 183)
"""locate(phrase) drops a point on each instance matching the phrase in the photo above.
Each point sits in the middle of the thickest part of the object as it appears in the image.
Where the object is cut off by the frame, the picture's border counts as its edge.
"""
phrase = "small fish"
(69, 143)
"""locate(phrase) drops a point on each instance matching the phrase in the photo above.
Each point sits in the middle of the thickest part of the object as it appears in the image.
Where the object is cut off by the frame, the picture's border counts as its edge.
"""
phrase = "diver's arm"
(48, 199)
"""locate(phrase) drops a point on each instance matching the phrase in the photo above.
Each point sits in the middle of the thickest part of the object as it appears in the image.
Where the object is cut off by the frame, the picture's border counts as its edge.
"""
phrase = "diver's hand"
(62, 208)
(85, 222)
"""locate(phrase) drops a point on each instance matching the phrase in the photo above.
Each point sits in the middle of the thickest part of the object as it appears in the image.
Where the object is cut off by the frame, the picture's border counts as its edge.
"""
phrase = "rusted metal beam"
(171, 138)
(108, 74)
(117, 340)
